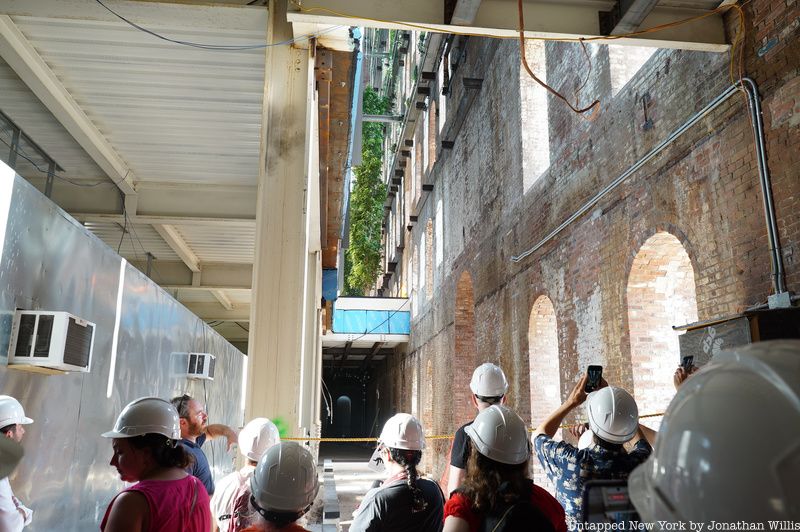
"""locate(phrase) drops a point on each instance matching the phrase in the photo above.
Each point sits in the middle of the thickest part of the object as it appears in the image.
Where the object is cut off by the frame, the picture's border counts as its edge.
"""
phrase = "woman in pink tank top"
(147, 451)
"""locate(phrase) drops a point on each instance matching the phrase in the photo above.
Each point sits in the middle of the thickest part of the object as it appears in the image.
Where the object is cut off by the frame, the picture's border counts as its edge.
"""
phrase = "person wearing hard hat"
(195, 430)
(404, 502)
(489, 387)
(497, 493)
(728, 449)
(14, 515)
(283, 488)
(232, 493)
(614, 420)
(147, 450)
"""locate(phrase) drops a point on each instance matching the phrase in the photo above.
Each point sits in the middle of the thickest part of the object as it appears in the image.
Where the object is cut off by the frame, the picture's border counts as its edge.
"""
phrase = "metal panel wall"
(50, 262)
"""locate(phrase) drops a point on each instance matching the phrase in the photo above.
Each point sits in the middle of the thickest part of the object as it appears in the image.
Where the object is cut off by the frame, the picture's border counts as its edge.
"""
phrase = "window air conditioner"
(50, 342)
(194, 365)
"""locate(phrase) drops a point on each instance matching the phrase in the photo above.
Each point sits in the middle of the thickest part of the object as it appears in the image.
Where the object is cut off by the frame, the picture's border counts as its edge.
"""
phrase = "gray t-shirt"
(389, 508)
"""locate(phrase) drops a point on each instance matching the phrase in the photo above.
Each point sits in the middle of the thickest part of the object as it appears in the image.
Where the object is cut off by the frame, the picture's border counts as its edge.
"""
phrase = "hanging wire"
(217, 47)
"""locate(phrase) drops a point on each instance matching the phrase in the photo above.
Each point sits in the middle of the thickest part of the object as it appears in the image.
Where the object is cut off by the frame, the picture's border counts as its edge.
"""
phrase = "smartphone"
(594, 374)
(686, 363)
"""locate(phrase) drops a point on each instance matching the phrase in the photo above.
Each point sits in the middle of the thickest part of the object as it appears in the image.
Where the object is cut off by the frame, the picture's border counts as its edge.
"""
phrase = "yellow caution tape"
(434, 437)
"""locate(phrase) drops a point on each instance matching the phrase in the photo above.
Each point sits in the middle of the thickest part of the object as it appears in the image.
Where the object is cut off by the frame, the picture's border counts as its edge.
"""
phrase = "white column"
(278, 306)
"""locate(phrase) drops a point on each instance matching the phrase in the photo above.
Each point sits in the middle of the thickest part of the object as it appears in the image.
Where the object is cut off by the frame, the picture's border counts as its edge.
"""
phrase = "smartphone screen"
(594, 374)
(687, 362)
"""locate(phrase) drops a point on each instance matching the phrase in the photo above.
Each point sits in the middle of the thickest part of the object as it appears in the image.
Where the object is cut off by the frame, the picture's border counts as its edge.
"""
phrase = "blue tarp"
(329, 284)
(371, 322)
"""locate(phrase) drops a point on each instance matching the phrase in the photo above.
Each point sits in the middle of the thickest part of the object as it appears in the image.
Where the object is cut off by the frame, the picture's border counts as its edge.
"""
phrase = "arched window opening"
(342, 418)
(439, 226)
(536, 134)
(624, 62)
(545, 376)
(661, 293)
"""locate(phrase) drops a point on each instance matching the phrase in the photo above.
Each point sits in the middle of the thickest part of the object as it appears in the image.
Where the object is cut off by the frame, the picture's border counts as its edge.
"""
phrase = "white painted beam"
(214, 312)
(465, 12)
(543, 19)
(20, 54)
(173, 275)
(222, 298)
(146, 13)
(178, 245)
(233, 223)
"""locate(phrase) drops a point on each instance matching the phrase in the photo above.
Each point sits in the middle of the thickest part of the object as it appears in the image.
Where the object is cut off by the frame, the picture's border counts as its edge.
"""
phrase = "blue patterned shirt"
(569, 469)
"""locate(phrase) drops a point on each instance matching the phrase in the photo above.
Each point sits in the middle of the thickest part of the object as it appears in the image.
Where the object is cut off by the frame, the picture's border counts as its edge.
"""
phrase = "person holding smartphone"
(614, 420)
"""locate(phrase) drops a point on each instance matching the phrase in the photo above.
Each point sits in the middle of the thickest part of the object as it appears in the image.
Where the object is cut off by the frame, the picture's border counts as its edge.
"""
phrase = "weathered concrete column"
(278, 306)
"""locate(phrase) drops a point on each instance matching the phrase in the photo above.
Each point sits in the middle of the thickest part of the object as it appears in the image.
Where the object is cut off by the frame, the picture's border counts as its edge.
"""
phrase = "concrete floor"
(352, 476)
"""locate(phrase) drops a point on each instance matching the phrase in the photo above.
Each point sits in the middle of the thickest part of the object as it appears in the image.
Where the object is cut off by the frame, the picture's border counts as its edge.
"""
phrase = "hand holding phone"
(594, 375)
(686, 363)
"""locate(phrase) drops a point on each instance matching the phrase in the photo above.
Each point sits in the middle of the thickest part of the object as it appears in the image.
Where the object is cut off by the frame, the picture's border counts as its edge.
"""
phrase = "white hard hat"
(613, 414)
(11, 412)
(729, 443)
(403, 431)
(147, 415)
(586, 440)
(488, 380)
(285, 479)
(500, 434)
(256, 437)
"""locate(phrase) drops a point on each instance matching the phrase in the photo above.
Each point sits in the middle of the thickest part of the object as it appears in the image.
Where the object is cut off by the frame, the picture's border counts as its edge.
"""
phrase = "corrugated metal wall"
(51, 262)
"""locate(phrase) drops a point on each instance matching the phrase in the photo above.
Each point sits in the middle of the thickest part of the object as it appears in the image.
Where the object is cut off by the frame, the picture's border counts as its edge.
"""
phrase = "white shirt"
(13, 514)
(224, 492)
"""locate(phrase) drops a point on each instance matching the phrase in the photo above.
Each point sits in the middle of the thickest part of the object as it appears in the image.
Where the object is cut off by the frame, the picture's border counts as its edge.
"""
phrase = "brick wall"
(703, 190)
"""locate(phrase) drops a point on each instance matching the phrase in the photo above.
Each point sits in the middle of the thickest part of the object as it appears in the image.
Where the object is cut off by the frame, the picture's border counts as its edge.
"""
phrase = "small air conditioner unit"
(50, 342)
(194, 365)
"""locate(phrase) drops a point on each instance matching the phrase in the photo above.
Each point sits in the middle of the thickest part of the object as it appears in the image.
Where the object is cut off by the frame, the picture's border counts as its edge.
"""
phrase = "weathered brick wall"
(497, 202)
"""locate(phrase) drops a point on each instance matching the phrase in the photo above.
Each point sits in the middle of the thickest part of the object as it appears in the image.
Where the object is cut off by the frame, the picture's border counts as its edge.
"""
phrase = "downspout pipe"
(749, 87)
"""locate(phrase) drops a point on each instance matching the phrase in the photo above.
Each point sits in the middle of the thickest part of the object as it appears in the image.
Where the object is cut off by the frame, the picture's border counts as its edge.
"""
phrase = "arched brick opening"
(465, 350)
(544, 371)
(661, 293)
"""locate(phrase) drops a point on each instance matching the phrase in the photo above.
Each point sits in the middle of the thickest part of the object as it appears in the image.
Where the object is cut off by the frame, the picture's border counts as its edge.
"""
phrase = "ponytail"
(409, 459)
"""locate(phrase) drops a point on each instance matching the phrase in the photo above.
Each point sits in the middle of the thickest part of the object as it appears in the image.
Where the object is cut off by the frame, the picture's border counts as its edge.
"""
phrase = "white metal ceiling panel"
(138, 239)
(174, 113)
(219, 243)
(24, 108)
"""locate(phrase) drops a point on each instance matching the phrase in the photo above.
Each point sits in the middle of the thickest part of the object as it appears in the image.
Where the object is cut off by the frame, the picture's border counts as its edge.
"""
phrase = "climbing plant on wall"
(363, 257)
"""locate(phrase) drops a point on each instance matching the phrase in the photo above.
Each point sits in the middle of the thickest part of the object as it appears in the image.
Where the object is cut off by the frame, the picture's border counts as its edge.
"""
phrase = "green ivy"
(363, 257)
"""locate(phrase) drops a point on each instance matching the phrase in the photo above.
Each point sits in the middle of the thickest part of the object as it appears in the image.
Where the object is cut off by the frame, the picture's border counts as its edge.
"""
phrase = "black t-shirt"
(461, 447)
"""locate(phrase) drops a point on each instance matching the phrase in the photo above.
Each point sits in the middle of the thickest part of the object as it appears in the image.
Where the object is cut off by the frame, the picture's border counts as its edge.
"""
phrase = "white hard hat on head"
(147, 415)
(500, 434)
(285, 479)
(613, 414)
(403, 431)
(256, 437)
(488, 380)
(729, 446)
(11, 412)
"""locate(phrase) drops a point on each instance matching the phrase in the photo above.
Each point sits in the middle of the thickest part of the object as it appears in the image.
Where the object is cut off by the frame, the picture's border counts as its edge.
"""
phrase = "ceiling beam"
(626, 16)
(222, 298)
(214, 312)
(20, 54)
(465, 12)
(499, 18)
(233, 223)
(175, 275)
(202, 15)
(375, 349)
(178, 245)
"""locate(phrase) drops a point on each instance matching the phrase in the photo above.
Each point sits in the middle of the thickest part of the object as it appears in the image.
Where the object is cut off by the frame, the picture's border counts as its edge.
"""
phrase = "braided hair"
(409, 459)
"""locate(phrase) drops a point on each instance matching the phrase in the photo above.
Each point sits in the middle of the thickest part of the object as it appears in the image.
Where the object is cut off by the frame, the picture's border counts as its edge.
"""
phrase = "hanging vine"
(363, 257)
